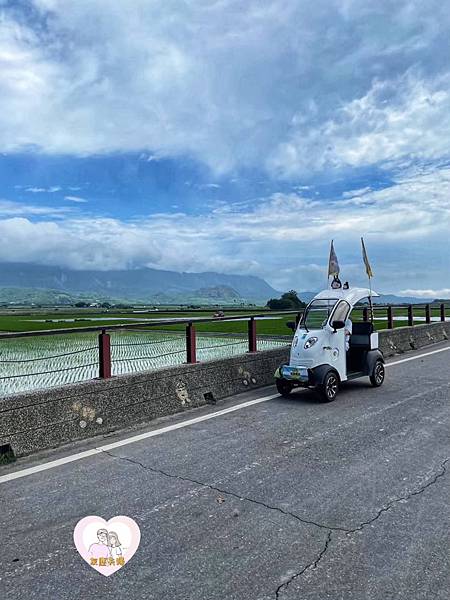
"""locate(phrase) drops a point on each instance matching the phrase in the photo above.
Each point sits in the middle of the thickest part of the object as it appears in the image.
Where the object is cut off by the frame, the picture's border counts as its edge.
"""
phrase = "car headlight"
(310, 342)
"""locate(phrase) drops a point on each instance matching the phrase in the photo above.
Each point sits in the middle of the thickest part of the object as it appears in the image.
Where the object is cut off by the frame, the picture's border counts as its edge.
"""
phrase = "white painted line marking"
(143, 436)
(135, 438)
(48, 465)
(403, 360)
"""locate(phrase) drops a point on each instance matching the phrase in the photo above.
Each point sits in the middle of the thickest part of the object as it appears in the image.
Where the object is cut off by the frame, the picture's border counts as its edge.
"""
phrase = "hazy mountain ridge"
(47, 297)
(45, 284)
(136, 284)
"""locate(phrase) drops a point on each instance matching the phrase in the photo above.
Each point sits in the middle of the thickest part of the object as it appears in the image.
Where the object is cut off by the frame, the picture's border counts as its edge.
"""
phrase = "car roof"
(352, 295)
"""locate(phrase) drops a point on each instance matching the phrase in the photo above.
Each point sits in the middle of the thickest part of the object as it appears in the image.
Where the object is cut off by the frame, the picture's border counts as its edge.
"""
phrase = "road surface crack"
(227, 493)
(348, 531)
(441, 473)
(311, 566)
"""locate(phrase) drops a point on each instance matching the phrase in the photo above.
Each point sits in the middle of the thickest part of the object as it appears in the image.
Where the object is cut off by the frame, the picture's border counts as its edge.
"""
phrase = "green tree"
(288, 301)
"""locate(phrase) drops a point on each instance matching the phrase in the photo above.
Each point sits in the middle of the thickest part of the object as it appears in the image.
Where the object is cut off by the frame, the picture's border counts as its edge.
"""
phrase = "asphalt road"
(283, 499)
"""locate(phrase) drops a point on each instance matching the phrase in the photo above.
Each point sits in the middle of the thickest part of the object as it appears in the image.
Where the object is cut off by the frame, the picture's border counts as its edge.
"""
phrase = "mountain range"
(39, 284)
(139, 285)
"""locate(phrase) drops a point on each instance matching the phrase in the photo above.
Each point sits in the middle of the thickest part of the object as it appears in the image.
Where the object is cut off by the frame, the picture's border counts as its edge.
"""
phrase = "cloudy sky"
(227, 135)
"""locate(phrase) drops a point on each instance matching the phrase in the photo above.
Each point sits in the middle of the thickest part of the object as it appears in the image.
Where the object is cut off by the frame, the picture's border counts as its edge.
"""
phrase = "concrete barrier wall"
(48, 418)
(404, 339)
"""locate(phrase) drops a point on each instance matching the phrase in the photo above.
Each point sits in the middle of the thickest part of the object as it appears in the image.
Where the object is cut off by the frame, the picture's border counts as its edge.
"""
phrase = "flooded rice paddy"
(46, 361)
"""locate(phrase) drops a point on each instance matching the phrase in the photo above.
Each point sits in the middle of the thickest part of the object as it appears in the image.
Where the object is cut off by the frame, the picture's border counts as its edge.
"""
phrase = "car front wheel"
(284, 387)
(328, 390)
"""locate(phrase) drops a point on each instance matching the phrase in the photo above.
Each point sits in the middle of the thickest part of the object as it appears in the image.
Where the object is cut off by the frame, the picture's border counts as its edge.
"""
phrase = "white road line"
(135, 438)
(48, 465)
(403, 360)
(143, 436)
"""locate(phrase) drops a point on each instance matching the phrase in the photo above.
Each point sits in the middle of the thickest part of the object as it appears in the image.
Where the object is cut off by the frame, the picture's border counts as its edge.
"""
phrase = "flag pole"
(370, 300)
(369, 272)
(328, 267)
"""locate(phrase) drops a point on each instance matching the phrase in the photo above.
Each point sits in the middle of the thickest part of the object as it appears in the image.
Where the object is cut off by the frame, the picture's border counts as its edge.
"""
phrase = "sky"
(229, 136)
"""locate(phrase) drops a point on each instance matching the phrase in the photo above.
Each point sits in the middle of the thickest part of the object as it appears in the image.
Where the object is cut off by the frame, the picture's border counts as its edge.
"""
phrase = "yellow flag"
(366, 261)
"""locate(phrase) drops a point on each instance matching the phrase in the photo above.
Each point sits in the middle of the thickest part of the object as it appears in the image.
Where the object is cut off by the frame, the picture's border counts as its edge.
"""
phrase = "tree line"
(288, 301)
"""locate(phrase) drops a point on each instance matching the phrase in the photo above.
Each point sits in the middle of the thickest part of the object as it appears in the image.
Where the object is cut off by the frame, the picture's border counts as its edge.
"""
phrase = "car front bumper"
(295, 374)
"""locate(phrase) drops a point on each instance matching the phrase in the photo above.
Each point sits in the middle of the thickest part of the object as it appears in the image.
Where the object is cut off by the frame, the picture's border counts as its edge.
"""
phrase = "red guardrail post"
(365, 314)
(252, 335)
(442, 312)
(427, 313)
(390, 317)
(104, 355)
(191, 346)
(410, 315)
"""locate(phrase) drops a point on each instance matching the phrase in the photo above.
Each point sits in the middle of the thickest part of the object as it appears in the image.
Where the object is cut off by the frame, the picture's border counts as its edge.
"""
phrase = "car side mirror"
(337, 325)
(292, 325)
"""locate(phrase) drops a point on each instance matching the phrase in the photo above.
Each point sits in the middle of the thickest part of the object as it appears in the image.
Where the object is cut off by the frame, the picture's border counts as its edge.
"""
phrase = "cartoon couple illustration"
(108, 545)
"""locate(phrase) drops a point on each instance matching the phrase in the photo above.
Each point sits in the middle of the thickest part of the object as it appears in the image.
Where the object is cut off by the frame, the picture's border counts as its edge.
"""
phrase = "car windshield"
(317, 313)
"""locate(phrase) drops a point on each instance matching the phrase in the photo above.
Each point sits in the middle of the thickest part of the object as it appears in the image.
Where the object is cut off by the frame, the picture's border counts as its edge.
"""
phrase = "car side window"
(341, 311)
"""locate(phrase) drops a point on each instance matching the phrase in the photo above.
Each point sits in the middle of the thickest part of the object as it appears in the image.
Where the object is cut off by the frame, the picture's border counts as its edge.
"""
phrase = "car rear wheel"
(328, 390)
(284, 387)
(377, 377)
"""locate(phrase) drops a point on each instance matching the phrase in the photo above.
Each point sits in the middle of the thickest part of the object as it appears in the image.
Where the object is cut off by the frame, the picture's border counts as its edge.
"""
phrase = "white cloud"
(38, 190)
(149, 157)
(208, 186)
(77, 244)
(431, 294)
(291, 85)
(356, 193)
(9, 208)
(75, 199)
(283, 238)
(404, 118)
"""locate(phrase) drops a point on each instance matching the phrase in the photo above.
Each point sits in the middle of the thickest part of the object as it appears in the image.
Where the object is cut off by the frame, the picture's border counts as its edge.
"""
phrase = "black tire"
(327, 391)
(284, 387)
(378, 373)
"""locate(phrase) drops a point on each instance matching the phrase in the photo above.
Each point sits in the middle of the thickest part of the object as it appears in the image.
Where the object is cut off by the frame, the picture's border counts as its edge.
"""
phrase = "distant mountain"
(218, 292)
(393, 299)
(382, 299)
(46, 297)
(144, 285)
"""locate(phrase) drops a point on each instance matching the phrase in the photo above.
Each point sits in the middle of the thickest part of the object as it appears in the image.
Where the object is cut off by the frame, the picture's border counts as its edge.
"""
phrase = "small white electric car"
(321, 357)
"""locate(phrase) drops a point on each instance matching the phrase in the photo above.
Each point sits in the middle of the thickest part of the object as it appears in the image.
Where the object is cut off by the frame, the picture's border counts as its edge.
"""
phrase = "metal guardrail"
(104, 341)
(411, 312)
(388, 313)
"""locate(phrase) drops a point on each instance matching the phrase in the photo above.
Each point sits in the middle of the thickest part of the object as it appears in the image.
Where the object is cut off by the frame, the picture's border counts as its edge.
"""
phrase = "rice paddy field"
(63, 319)
(41, 362)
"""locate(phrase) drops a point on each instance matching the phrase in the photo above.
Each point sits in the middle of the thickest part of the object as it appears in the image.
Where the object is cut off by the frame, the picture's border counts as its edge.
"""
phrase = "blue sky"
(220, 135)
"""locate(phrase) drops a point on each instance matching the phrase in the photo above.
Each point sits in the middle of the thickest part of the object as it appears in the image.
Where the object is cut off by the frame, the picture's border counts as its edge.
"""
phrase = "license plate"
(295, 373)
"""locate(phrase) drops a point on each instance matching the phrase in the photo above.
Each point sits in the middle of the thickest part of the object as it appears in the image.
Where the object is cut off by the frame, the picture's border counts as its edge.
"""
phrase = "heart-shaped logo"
(107, 546)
